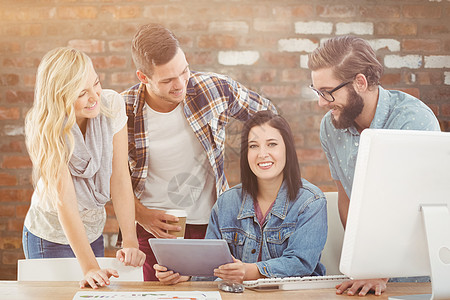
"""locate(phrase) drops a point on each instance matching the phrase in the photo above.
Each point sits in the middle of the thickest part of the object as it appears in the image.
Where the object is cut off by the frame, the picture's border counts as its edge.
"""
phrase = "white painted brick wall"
(406, 61)
(270, 25)
(447, 78)
(354, 28)
(296, 45)
(437, 61)
(235, 27)
(304, 61)
(391, 44)
(13, 130)
(234, 58)
(313, 27)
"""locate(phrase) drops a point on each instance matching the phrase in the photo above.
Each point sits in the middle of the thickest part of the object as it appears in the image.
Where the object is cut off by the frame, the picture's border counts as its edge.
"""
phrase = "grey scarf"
(91, 163)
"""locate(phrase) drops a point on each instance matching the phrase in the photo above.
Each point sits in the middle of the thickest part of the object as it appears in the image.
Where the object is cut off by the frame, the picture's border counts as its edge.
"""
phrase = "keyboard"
(297, 283)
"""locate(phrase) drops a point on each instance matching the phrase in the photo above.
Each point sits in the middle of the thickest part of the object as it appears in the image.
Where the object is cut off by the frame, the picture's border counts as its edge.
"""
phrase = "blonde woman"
(76, 136)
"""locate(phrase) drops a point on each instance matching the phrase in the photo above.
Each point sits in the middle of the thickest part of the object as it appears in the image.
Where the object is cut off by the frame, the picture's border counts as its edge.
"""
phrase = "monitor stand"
(436, 219)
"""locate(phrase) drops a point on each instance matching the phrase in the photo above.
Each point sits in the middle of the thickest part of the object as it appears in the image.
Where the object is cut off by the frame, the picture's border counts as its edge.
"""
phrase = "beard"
(349, 112)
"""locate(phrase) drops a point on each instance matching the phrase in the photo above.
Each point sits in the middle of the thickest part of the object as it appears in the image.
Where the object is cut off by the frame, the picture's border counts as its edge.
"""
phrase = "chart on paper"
(186, 295)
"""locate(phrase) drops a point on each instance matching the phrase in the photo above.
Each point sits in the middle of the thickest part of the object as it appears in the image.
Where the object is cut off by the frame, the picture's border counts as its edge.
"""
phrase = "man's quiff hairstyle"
(348, 56)
(153, 45)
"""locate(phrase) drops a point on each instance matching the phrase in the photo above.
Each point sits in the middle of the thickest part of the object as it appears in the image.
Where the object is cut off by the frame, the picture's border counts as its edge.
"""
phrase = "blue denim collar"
(279, 209)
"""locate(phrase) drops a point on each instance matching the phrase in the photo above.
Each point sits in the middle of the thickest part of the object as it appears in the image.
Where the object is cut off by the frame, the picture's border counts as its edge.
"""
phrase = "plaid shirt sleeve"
(212, 99)
(137, 138)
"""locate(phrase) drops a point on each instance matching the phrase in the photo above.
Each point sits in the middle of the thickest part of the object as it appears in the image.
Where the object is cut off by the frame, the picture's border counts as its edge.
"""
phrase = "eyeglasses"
(328, 95)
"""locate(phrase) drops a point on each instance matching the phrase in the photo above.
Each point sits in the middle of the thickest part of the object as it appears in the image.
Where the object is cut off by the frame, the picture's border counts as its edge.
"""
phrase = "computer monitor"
(398, 221)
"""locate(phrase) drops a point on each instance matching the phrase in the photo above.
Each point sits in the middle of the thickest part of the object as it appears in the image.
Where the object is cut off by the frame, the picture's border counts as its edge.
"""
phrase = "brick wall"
(261, 43)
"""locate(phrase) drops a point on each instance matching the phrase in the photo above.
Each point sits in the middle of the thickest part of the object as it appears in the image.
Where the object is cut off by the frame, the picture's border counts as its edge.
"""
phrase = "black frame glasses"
(327, 94)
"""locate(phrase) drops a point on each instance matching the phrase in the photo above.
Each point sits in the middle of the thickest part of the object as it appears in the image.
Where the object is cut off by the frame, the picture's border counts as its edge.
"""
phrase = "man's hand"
(154, 221)
(363, 286)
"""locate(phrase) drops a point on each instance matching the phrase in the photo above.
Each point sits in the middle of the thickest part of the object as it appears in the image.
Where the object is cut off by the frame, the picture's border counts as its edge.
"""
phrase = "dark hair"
(153, 45)
(291, 172)
(348, 56)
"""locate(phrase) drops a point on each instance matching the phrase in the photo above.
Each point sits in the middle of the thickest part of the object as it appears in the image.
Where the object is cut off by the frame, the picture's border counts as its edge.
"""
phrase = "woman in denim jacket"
(275, 223)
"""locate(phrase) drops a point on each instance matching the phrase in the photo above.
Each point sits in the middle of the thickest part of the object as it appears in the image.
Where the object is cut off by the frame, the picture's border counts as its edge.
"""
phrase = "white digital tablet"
(191, 257)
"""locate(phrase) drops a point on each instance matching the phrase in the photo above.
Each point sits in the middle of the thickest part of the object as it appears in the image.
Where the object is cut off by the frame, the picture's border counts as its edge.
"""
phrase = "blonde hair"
(61, 76)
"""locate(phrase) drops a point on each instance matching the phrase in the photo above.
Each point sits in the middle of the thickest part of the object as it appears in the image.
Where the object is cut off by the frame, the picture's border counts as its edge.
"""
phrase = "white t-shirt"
(179, 176)
(42, 219)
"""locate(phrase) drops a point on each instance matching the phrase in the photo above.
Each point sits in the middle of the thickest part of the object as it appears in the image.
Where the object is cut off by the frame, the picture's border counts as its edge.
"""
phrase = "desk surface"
(66, 290)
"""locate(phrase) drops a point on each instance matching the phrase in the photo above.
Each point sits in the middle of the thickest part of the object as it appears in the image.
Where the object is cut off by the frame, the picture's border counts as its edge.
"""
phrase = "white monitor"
(398, 221)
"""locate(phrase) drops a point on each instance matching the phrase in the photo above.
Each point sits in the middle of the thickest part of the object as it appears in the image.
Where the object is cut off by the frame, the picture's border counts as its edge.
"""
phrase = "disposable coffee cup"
(181, 215)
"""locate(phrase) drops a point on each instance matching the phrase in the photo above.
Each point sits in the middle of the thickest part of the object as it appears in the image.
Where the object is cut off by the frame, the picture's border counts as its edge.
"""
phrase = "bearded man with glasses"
(345, 75)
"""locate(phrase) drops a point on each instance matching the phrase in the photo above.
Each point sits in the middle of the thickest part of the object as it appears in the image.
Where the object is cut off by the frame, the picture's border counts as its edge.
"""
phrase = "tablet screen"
(191, 257)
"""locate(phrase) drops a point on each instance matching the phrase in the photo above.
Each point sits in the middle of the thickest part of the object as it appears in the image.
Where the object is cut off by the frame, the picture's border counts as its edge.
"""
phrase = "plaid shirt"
(211, 99)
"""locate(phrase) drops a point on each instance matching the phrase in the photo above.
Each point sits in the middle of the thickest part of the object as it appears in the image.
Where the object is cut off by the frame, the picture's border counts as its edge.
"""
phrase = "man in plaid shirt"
(176, 136)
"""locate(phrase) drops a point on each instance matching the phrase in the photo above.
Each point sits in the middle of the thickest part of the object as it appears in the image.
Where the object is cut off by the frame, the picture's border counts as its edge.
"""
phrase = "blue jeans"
(36, 247)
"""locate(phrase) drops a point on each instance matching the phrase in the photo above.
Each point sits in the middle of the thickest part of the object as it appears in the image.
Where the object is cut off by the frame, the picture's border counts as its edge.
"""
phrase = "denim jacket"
(291, 239)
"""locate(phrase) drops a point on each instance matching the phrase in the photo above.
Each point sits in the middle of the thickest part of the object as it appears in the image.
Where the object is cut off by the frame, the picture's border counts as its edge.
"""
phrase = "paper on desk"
(185, 295)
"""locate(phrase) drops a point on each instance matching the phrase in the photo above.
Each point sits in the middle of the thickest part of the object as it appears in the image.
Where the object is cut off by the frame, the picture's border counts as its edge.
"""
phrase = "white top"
(180, 176)
(42, 218)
